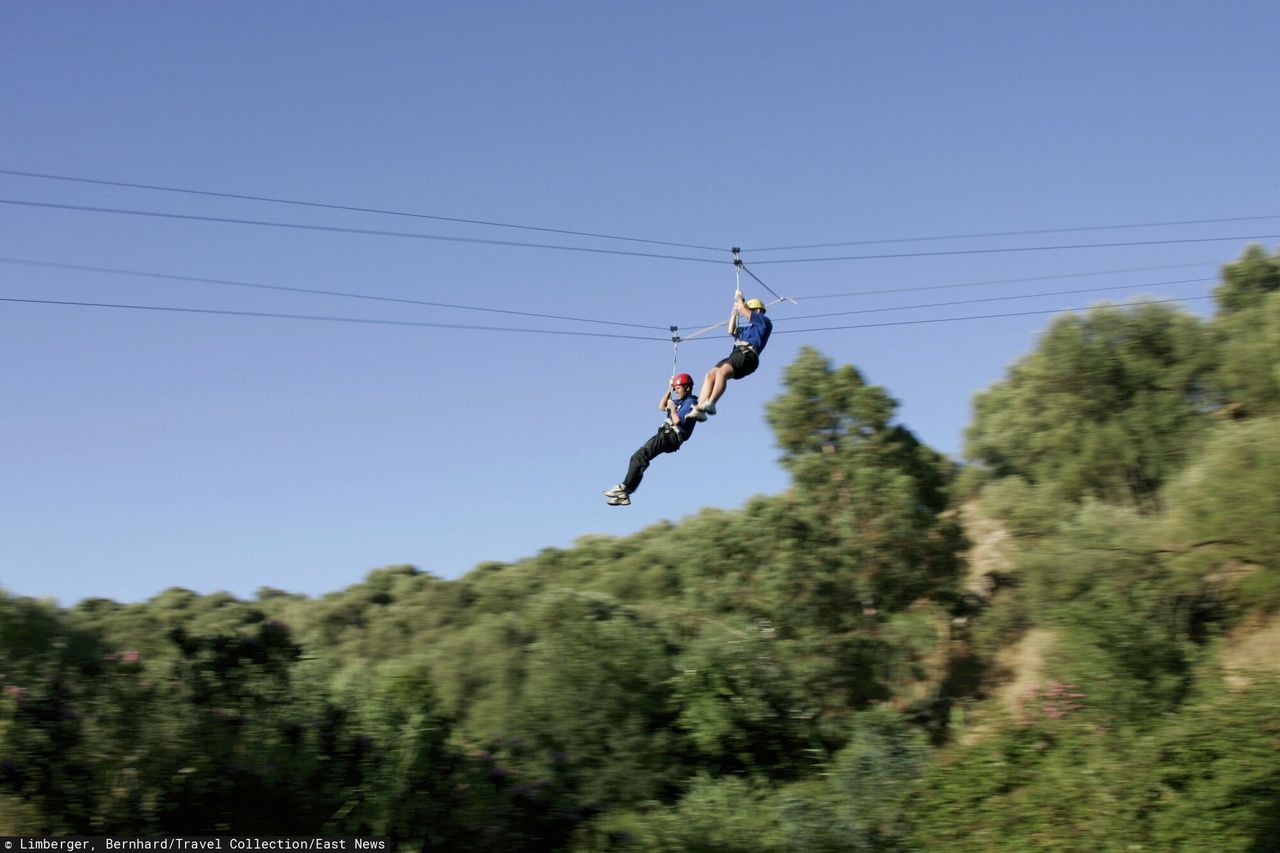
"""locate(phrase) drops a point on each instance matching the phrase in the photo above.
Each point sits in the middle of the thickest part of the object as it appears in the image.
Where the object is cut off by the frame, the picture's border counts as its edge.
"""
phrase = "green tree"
(1248, 282)
(1218, 770)
(1108, 405)
(598, 700)
(871, 783)
(716, 815)
(1225, 509)
(1248, 331)
(866, 515)
(738, 704)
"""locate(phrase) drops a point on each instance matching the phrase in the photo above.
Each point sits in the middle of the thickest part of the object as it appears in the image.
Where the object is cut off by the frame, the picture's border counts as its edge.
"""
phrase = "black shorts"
(743, 361)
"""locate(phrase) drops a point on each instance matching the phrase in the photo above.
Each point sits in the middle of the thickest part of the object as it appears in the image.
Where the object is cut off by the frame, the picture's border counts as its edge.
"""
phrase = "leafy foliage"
(1223, 510)
(836, 673)
(1109, 405)
(1248, 332)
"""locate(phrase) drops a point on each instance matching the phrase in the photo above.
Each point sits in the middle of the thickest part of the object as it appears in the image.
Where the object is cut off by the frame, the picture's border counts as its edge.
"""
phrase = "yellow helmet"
(755, 304)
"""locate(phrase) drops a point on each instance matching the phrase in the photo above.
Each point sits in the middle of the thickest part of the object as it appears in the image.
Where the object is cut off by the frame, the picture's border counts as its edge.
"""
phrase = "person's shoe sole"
(622, 501)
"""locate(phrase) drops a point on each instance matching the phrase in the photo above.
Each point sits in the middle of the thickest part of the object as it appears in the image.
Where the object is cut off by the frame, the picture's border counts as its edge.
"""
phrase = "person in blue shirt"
(751, 330)
(678, 402)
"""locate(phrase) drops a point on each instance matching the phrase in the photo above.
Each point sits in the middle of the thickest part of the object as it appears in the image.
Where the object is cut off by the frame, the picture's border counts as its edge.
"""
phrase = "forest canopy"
(1067, 640)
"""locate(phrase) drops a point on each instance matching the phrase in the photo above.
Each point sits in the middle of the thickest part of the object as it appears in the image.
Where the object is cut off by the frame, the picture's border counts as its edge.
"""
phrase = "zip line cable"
(675, 337)
(674, 329)
(739, 265)
(971, 317)
(286, 289)
(777, 299)
(705, 329)
(993, 299)
(765, 286)
(1012, 233)
(351, 208)
(420, 324)
(737, 288)
(881, 291)
(343, 230)
(1002, 281)
(322, 318)
(1003, 249)
(601, 236)
(491, 242)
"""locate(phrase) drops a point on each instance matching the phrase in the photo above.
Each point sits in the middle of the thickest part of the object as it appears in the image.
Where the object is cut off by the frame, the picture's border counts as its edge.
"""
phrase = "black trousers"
(666, 441)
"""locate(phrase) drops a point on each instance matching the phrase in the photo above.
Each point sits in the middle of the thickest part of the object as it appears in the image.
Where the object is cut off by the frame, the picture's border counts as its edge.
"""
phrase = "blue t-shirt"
(756, 331)
(683, 405)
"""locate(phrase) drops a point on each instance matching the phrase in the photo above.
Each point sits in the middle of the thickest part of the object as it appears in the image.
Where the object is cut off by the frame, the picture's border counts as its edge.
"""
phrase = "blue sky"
(147, 449)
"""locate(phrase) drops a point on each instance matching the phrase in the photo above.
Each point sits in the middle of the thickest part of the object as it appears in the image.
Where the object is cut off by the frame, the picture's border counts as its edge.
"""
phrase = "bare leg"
(713, 387)
(707, 382)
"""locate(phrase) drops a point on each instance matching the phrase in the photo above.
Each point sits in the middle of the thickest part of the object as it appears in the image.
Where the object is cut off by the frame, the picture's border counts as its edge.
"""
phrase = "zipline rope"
(315, 291)
(737, 288)
(410, 323)
(341, 230)
(368, 321)
(674, 335)
(715, 326)
(765, 286)
(595, 235)
(352, 208)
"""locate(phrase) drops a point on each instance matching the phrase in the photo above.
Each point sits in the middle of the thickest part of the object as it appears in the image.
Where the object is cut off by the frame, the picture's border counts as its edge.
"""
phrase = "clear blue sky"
(141, 450)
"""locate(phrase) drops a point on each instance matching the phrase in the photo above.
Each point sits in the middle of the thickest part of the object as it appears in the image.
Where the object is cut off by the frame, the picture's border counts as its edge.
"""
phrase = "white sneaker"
(623, 499)
(615, 491)
(709, 408)
(696, 414)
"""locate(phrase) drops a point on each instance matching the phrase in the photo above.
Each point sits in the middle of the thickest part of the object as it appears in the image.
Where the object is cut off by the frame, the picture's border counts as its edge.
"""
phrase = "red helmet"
(682, 379)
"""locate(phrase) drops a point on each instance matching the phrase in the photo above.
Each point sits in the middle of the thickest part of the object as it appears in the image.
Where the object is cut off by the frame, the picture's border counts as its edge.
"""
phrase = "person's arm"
(671, 407)
(739, 307)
